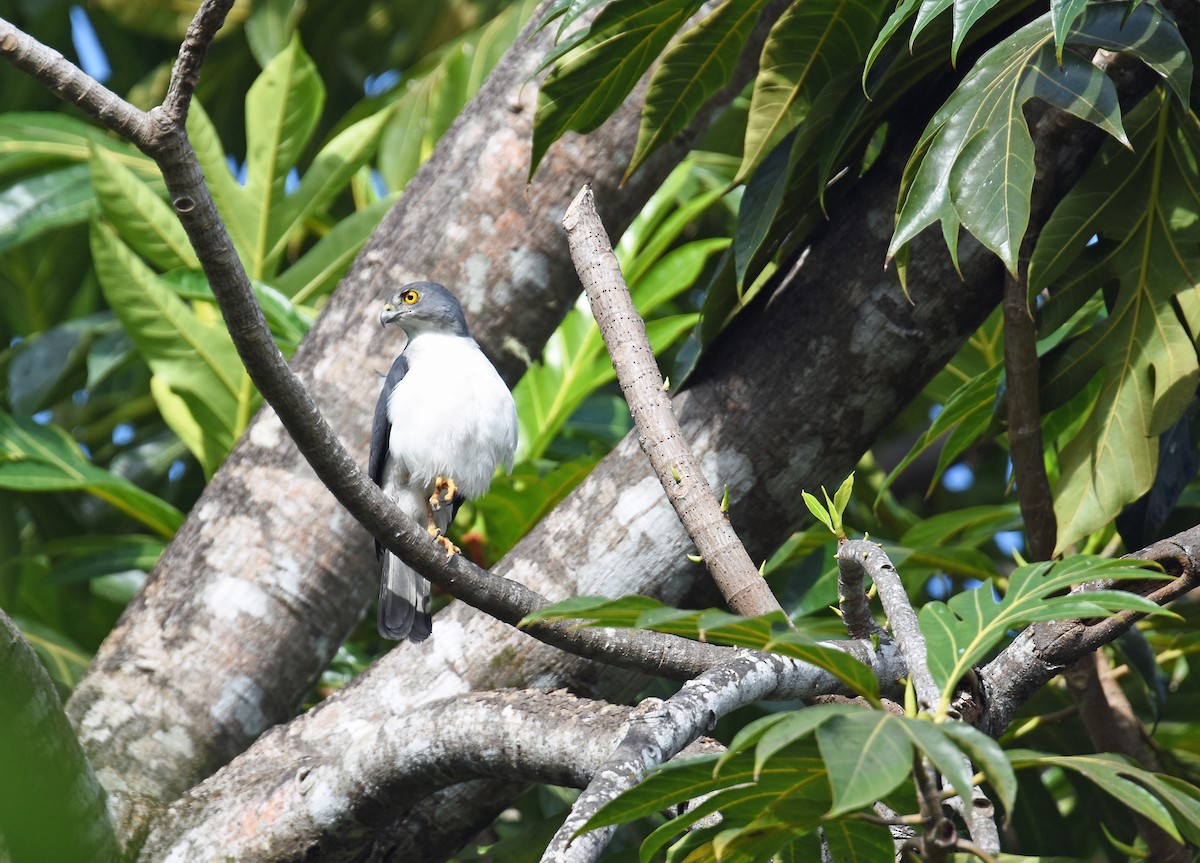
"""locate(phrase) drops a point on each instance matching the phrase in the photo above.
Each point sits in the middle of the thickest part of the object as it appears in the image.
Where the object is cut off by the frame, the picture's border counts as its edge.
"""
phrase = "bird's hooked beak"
(388, 315)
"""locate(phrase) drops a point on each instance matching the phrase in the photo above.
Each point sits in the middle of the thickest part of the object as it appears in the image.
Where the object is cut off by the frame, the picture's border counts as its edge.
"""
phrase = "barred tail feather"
(403, 602)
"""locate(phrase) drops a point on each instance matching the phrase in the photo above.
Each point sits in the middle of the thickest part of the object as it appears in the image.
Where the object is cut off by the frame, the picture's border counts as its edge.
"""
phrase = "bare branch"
(51, 805)
(186, 74)
(870, 558)
(328, 781)
(658, 430)
(852, 600)
(72, 84)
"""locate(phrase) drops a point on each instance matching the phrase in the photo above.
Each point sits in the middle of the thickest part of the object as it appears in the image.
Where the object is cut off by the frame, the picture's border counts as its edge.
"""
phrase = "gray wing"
(381, 428)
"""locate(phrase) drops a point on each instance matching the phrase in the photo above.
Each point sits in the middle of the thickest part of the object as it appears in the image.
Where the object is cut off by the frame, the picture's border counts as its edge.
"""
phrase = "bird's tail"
(403, 602)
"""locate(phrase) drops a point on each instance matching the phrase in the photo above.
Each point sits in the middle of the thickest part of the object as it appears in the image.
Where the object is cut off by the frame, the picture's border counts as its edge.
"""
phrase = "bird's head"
(424, 307)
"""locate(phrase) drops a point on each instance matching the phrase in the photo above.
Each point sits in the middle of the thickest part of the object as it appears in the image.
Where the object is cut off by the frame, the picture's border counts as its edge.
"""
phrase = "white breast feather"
(451, 416)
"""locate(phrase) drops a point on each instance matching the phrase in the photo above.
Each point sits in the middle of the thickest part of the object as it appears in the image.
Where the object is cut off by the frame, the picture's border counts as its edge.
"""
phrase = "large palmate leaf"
(810, 45)
(199, 383)
(35, 458)
(1146, 256)
(603, 66)
(961, 632)
(694, 68)
(716, 627)
(973, 166)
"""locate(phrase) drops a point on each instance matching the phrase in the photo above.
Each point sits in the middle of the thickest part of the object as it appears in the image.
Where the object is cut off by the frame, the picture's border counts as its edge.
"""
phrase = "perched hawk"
(444, 421)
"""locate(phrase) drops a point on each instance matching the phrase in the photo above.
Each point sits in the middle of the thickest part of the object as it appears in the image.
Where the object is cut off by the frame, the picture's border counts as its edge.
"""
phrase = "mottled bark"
(322, 785)
(269, 574)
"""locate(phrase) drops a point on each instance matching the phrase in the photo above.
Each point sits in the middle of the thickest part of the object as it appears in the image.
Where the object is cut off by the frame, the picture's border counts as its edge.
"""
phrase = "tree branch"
(659, 433)
(1044, 650)
(858, 557)
(660, 730)
(853, 602)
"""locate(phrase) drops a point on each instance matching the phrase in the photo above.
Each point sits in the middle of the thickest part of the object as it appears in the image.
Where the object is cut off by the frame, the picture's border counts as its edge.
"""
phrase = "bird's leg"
(444, 490)
(434, 530)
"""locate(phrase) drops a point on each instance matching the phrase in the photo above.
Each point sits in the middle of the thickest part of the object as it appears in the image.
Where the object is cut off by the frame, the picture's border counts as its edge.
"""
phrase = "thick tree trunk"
(269, 574)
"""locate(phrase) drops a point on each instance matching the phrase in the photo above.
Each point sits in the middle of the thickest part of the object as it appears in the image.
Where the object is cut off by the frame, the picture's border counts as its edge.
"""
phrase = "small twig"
(659, 434)
(868, 558)
(1025, 423)
(853, 602)
(939, 834)
(186, 74)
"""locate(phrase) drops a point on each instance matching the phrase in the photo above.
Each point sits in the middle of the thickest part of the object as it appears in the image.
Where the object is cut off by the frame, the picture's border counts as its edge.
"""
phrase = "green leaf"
(867, 757)
(288, 322)
(320, 268)
(282, 110)
(435, 91)
(818, 510)
(331, 170)
(144, 220)
(970, 526)
(974, 162)
(856, 841)
(65, 660)
(83, 558)
(271, 26)
(237, 207)
(515, 503)
(806, 47)
(960, 633)
(715, 627)
(966, 416)
(1113, 775)
(986, 757)
(966, 14)
(35, 458)
(904, 10)
(1063, 14)
(43, 202)
(41, 140)
(193, 362)
(1143, 350)
(692, 70)
(596, 76)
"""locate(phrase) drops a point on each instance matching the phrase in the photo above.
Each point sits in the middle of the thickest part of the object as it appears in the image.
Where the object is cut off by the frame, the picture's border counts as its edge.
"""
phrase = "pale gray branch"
(869, 557)
(659, 433)
(660, 730)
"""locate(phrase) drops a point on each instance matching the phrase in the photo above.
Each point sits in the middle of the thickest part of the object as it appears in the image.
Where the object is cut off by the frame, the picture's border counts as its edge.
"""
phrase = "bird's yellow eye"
(410, 297)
